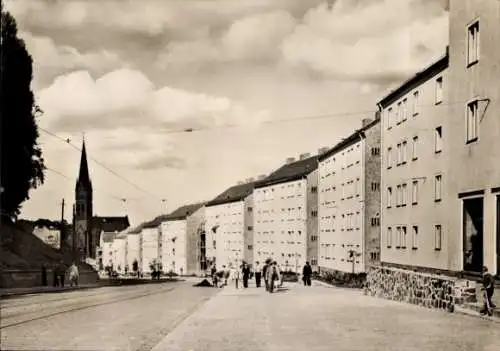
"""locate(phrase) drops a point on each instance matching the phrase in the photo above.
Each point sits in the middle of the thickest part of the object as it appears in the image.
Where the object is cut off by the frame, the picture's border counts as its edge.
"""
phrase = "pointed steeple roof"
(83, 175)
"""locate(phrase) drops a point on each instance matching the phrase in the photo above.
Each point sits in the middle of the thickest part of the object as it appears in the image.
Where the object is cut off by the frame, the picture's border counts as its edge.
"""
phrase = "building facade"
(473, 131)
(173, 236)
(413, 172)
(195, 227)
(349, 202)
(119, 258)
(106, 250)
(228, 218)
(151, 247)
(281, 227)
(134, 249)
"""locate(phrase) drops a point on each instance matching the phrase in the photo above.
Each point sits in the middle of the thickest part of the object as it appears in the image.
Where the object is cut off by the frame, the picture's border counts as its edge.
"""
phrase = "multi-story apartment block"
(134, 249)
(413, 171)
(283, 203)
(195, 228)
(105, 250)
(180, 236)
(151, 247)
(472, 136)
(349, 202)
(120, 252)
(229, 218)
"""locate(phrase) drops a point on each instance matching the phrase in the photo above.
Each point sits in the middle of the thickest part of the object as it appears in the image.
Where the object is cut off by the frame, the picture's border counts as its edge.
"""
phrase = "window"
(414, 192)
(438, 187)
(403, 237)
(314, 213)
(414, 154)
(473, 43)
(404, 152)
(398, 196)
(438, 139)
(415, 104)
(390, 118)
(314, 238)
(414, 237)
(405, 195)
(400, 113)
(389, 157)
(405, 109)
(399, 154)
(249, 209)
(398, 237)
(439, 90)
(250, 247)
(314, 189)
(389, 197)
(314, 261)
(250, 227)
(375, 186)
(375, 151)
(472, 121)
(389, 237)
(375, 221)
(438, 237)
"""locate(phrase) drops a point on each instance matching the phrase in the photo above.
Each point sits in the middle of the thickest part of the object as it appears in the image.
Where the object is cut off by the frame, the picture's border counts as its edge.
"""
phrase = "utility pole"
(62, 228)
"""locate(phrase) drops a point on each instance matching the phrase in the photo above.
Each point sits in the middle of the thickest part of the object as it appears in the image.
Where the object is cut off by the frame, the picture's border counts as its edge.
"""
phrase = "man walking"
(258, 274)
(246, 275)
(306, 274)
(73, 275)
(235, 274)
(264, 274)
(489, 289)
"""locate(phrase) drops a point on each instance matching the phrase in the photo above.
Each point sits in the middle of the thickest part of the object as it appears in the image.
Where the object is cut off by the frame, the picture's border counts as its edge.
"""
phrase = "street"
(177, 316)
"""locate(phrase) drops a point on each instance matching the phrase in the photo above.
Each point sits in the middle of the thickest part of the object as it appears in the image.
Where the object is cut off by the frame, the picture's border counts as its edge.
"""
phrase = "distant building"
(151, 246)
(105, 251)
(180, 231)
(120, 253)
(134, 249)
(472, 138)
(283, 203)
(349, 202)
(87, 227)
(413, 173)
(229, 218)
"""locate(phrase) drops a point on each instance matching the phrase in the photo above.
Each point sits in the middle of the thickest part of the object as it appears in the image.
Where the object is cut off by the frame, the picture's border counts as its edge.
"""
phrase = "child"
(489, 289)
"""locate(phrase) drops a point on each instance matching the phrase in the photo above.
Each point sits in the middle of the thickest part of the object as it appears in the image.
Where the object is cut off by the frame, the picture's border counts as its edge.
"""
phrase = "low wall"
(338, 278)
(11, 278)
(422, 289)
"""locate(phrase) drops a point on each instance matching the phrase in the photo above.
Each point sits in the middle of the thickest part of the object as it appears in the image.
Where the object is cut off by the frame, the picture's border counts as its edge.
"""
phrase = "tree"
(21, 162)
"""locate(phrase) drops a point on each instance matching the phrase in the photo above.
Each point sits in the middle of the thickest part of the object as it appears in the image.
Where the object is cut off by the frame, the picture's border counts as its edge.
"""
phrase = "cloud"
(384, 40)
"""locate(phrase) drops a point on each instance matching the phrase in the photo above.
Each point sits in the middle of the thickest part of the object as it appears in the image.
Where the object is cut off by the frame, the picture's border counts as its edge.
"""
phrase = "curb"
(471, 313)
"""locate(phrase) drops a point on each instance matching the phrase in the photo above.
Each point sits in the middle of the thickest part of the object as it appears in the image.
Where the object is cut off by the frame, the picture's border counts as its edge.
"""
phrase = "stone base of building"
(422, 289)
(344, 279)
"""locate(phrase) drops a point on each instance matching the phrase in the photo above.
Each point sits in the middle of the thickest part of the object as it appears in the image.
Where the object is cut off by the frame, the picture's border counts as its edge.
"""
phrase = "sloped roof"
(155, 222)
(234, 193)
(351, 139)
(184, 211)
(290, 172)
(112, 224)
(108, 237)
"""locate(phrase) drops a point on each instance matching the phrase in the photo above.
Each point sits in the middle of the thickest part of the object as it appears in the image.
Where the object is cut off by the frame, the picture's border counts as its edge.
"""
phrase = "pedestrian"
(264, 274)
(272, 275)
(73, 275)
(489, 289)
(258, 274)
(246, 275)
(235, 275)
(227, 273)
(306, 274)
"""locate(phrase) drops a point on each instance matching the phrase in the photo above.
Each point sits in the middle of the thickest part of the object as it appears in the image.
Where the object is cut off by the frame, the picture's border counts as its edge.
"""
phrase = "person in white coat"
(235, 276)
(73, 274)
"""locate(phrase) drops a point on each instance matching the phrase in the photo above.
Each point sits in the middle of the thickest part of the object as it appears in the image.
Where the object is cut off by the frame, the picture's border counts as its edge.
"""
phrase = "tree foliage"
(21, 162)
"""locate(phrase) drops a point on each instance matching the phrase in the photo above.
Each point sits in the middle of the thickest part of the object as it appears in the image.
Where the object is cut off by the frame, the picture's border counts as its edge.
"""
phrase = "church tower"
(83, 208)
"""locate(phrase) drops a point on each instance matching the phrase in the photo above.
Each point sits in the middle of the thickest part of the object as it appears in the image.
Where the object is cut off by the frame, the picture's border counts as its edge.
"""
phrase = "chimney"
(290, 160)
(365, 122)
(305, 155)
(261, 177)
(323, 150)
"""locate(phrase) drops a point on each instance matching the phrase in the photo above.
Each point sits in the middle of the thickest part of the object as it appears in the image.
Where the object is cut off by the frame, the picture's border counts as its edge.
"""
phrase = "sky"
(257, 80)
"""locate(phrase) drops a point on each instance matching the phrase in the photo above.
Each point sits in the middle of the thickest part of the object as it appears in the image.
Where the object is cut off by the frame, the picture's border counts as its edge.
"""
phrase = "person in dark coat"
(246, 274)
(306, 274)
(264, 274)
(489, 289)
(258, 274)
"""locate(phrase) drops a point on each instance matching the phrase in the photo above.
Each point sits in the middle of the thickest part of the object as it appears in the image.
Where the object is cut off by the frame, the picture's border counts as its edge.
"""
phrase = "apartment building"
(119, 257)
(151, 246)
(473, 135)
(283, 203)
(134, 248)
(349, 201)
(229, 218)
(414, 204)
(180, 239)
(105, 250)
(195, 229)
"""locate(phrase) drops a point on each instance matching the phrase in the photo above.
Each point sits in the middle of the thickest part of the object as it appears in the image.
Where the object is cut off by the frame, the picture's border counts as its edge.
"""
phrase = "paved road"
(111, 318)
(176, 316)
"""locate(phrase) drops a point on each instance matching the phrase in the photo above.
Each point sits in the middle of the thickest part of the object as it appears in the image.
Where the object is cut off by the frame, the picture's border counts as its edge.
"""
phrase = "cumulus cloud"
(382, 40)
(125, 97)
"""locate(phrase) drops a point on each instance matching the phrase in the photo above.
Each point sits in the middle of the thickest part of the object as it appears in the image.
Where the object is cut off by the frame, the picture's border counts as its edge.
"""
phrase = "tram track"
(64, 309)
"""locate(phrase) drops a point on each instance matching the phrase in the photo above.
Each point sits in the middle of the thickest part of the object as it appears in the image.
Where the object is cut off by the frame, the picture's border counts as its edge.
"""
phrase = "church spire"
(83, 175)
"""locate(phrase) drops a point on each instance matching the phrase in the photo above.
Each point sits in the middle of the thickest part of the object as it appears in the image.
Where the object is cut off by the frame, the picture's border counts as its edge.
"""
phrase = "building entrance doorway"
(473, 234)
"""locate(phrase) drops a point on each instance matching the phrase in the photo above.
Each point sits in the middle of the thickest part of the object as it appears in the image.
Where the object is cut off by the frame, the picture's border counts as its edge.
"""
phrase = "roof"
(290, 172)
(155, 222)
(233, 194)
(108, 237)
(83, 175)
(111, 224)
(184, 211)
(416, 80)
(351, 139)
